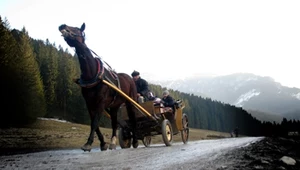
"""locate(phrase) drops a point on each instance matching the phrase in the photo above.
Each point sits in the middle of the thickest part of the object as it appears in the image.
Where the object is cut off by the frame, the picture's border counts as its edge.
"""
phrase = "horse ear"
(82, 27)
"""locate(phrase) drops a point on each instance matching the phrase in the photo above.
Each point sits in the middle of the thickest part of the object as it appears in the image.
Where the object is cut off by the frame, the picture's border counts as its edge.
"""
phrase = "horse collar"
(93, 82)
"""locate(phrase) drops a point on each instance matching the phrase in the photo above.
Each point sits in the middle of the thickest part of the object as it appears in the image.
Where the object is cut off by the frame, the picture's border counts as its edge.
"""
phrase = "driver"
(142, 87)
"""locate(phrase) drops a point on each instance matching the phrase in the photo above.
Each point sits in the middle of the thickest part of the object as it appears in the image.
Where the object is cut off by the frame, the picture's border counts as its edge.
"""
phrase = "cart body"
(164, 121)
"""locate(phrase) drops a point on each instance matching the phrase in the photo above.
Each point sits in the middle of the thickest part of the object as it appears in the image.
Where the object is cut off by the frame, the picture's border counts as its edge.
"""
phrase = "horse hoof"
(104, 147)
(135, 144)
(112, 147)
(86, 147)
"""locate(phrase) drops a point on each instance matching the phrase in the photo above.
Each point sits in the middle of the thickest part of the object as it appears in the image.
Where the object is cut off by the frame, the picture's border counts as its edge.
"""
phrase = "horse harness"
(102, 74)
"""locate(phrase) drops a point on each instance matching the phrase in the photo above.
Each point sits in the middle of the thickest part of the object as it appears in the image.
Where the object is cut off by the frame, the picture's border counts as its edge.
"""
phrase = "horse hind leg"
(113, 143)
(132, 119)
(114, 125)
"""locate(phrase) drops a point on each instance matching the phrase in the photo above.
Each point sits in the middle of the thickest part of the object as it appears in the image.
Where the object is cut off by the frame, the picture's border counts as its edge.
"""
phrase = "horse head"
(75, 37)
(72, 35)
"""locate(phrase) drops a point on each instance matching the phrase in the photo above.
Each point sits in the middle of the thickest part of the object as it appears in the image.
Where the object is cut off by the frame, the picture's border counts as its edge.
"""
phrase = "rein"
(99, 76)
(103, 61)
(111, 72)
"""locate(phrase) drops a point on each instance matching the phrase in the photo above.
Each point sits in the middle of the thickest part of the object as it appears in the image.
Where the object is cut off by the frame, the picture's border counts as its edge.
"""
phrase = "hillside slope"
(245, 90)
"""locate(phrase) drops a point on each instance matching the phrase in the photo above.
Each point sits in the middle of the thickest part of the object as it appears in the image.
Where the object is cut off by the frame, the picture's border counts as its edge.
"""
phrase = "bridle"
(68, 34)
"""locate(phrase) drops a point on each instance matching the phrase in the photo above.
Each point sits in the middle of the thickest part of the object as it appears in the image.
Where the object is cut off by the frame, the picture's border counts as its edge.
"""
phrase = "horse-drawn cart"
(164, 121)
(152, 119)
(96, 78)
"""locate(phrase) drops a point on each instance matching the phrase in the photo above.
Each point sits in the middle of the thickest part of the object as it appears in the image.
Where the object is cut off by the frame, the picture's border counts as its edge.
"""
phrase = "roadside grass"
(54, 134)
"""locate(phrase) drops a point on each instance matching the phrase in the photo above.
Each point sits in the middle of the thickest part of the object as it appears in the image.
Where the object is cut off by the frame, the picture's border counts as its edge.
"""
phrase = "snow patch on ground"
(55, 119)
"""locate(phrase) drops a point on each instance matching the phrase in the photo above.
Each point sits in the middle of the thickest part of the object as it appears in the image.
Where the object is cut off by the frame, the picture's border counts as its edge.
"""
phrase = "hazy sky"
(172, 38)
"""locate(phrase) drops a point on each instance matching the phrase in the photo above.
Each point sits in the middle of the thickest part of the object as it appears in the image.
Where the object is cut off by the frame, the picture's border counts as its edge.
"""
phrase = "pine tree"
(9, 84)
(29, 80)
(47, 57)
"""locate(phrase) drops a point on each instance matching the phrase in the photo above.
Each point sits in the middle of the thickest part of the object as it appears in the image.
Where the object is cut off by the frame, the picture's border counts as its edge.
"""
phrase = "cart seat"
(160, 108)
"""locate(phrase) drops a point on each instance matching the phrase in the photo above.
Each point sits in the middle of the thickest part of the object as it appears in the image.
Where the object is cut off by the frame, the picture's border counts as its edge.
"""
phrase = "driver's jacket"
(142, 86)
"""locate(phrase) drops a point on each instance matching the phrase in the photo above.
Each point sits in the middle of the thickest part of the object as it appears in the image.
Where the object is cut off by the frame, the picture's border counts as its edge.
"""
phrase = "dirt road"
(194, 155)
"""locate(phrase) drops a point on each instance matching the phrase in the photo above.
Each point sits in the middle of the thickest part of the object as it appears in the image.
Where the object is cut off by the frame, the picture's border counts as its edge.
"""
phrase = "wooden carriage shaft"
(128, 98)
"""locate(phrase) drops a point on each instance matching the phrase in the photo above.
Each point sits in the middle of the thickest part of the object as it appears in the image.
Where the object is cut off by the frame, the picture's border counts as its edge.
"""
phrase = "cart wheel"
(167, 132)
(147, 141)
(185, 131)
(124, 140)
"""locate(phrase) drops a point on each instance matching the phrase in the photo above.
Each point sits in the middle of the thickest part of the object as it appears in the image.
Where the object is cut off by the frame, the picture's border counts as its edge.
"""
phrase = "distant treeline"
(37, 81)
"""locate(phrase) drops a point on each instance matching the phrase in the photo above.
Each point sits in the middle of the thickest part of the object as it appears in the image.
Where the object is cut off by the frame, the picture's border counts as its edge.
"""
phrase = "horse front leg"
(114, 125)
(95, 128)
(103, 144)
(94, 125)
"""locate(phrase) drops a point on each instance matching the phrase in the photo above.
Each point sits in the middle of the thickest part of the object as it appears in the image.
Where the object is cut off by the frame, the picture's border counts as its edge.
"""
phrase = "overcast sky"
(172, 38)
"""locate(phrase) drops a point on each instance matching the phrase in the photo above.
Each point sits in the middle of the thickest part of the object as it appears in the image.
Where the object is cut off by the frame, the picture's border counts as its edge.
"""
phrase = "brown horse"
(99, 96)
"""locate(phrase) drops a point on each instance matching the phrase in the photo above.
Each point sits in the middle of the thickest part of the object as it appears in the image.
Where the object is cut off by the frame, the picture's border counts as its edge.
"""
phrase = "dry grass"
(52, 134)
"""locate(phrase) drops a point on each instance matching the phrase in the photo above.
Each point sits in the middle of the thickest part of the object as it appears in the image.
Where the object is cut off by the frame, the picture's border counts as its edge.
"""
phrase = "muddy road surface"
(201, 154)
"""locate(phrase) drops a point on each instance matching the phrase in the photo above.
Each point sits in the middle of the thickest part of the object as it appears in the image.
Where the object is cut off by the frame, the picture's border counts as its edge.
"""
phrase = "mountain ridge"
(247, 90)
